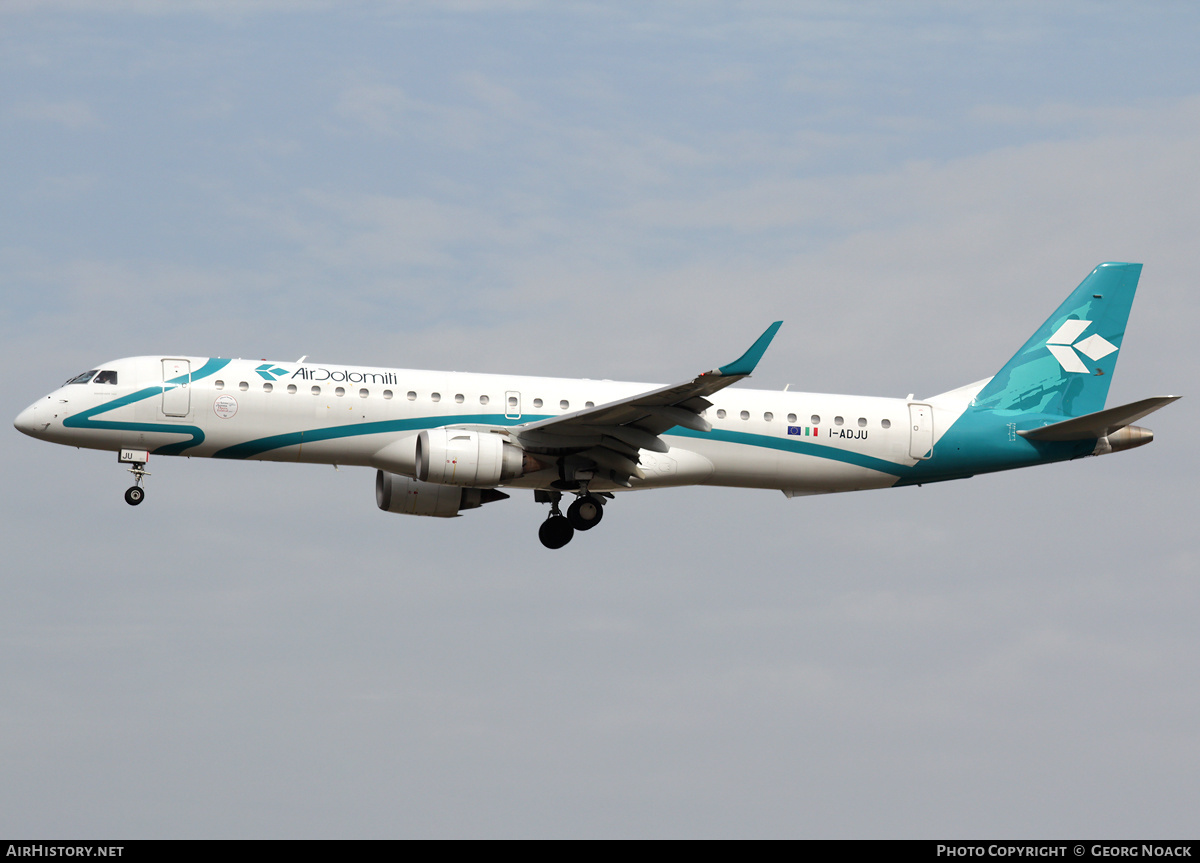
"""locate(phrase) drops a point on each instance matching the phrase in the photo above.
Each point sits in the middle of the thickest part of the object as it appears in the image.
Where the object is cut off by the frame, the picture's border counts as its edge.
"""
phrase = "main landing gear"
(584, 514)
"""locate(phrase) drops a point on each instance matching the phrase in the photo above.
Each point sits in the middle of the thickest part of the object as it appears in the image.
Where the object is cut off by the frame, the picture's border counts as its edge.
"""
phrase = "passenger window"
(720, 413)
(745, 415)
(862, 422)
(412, 397)
(816, 419)
(363, 393)
(291, 389)
(339, 391)
(435, 397)
(837, 421)
(512, 401)
(768, 416)
(537, 403)
(483, 400)
(589, 404)
(459, 398)
(387, 394)
(564, 405)
(106, 377)
(792, 419)
(220, 385)
(887, 424)
(268, 388)
(316, 391)
(243, 386)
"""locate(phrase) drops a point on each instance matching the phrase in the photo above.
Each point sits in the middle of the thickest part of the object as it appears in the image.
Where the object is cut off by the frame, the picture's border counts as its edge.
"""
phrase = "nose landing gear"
(135, 494)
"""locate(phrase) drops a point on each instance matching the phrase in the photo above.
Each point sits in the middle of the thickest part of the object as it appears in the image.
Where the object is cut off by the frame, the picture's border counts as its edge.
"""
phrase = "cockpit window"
(81, 379)
(108, 376)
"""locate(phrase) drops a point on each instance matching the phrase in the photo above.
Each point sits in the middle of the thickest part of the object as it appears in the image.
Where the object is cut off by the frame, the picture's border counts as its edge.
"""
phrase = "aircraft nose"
(32, 420)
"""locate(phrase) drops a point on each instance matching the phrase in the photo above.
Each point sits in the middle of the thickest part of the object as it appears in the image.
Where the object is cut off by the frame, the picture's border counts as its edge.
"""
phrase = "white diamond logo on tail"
(1067, 358)
(1095, 347)
(1068, 332)
(1063, 346)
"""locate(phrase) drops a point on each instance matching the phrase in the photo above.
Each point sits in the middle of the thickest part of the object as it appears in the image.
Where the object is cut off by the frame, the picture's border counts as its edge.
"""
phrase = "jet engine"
(458, 457)
(409, 496)
(1123, 438)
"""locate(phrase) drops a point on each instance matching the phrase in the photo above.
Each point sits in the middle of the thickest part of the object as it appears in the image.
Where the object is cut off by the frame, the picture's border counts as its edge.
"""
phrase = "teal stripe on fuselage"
(83, 419)
(250, 449)
(794, 446)
(253, 448)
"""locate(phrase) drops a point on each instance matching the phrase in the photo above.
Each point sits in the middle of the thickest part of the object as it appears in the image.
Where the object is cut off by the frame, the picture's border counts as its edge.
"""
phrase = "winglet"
(745, 364)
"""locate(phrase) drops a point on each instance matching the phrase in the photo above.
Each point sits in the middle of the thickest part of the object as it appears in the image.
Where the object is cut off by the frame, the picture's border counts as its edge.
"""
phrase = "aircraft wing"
(610, 435)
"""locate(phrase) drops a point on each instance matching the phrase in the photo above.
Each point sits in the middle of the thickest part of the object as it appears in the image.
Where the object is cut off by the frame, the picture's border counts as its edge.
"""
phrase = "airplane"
(446, 442)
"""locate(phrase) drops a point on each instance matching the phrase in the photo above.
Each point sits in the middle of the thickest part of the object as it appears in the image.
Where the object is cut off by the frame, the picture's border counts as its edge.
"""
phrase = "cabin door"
(177, 389)
(921, 422)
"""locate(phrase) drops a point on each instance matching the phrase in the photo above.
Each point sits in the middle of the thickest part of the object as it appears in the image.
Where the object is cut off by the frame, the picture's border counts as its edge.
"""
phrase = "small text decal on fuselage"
(815, 431)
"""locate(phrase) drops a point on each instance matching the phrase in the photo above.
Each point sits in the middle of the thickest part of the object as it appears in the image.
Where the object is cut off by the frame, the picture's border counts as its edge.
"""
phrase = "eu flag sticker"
(796, 430)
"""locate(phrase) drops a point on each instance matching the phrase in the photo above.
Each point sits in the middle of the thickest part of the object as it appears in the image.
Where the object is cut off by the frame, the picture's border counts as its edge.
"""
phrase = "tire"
(555, 532)
(134, 495)
(586, 512)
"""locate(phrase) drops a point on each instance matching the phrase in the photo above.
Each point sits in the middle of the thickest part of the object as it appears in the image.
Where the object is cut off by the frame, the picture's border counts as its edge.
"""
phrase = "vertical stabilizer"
(1067, 365)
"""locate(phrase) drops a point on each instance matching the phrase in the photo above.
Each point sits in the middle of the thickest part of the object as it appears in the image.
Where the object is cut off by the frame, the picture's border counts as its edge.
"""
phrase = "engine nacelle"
(467, 458)
(410, 496)
(1123, 438)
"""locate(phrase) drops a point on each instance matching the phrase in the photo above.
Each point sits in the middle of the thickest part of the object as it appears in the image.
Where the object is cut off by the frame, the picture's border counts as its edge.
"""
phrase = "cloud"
(219, 8)
(70, 114)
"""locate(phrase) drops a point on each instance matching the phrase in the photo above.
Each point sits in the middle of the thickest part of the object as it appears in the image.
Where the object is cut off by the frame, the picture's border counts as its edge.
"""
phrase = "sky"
(604, 190)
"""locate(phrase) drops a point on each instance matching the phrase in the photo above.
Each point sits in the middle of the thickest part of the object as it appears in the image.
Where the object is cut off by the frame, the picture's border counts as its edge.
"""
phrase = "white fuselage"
(801, 443)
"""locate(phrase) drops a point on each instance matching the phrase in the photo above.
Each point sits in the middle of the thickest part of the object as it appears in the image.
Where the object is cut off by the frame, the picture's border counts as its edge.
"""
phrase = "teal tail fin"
(1067, 365)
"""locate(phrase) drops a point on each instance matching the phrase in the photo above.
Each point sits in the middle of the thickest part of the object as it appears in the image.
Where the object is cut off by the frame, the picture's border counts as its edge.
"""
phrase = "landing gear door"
(921, 422)
(177, 389)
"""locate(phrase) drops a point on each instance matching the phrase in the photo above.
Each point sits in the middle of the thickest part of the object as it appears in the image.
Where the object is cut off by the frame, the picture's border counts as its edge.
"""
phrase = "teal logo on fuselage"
(270, 374)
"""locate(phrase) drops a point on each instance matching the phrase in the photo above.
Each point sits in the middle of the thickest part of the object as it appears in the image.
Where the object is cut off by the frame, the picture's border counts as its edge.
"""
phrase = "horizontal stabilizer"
(1100, 424)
